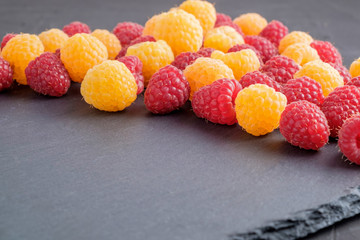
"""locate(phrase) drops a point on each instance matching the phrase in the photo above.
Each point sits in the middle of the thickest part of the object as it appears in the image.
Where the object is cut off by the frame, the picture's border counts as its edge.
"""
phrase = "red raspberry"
(184, 59)
(47, 75)
(205, 52)
(349, 139)
(6, 74)
(239, 47)
(221, 17)
(274, 32)
(264, 46)
(230, 24)
(127, 31)
(303, 88)
(327, 52)
(216, 102)
(167, 91)
(339, 105)
(343, 72)
(261, 78)
(76, 27)
(280, 68)
(140, 39)
(355, 81)
(303, 124)
(135, 66)
(7, 38)
(57, 53)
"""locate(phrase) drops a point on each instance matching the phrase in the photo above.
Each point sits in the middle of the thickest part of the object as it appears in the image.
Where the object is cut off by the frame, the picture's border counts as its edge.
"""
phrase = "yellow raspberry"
(110, 41)
(153, 55)
(301, 53)
(294, 37)
(80, 53)
(53, 39)
(21, 50)
(240, 62)
(222, 38)
(258, 109)
(203, 11)
(328, 77)
(181, 30)
(150, 25)
(109, 86)
(205, 71)
(355, 68)
(251, 23)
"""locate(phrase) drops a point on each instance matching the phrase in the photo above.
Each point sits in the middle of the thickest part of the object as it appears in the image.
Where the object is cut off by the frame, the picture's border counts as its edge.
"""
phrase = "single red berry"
(303, 88)
(167, 91)
(349, 139)
(216, 102)
(47, 75)
(344, 72)
(274, 32)
(257, 77)
(146, 38)
(221, 17)
(230, 24)
(7, 38)
(127, 31)
(239, 47)
(76, 27)
(57, 53)
(355, 81)
(184, 59)
(134, 64)
(327, 52)
(6, 75)
(303, 124)
(339, 105)
(264, 46)
(206, 52)
(280, 68)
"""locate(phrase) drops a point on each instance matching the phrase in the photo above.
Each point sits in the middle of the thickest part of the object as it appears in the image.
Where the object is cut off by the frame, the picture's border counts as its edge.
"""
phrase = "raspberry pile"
(244, 70)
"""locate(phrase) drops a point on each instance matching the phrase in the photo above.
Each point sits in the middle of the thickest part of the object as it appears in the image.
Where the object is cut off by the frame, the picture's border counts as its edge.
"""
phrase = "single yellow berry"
(80, 53)
(328, 77)
(19, 51)
(150, 25)
(110, 41)
(240, 62)
(251, 23)
(153, 55)
(355, 68)
(258, 109)
(205, 71)
(301, 53)
(294, 37)
(222, 38)
(204, 12)
(179, 29)
(109, 86)
(53, 39)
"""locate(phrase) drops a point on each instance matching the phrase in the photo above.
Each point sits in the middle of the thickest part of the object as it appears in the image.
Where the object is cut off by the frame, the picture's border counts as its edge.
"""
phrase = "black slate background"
(69, 171)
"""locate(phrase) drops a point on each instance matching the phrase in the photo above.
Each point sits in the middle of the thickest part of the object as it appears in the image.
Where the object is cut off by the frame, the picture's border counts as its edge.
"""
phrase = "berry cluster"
(245, 71)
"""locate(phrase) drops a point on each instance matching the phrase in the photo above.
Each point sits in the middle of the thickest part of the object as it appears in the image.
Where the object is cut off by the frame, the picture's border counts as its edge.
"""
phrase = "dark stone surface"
(69, 171)
(306, 222)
